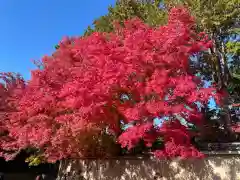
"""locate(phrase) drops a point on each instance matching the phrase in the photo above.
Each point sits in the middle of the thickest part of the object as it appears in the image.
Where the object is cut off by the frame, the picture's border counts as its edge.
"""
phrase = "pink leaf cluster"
(11, 89)
(78, 92)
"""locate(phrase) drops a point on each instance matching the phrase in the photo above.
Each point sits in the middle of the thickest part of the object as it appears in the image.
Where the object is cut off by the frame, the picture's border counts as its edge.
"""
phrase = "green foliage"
(235, 31)
(233, 47)
(57, 46)
(211, 15)
(127, 9)
(35, 160)
(237, 76)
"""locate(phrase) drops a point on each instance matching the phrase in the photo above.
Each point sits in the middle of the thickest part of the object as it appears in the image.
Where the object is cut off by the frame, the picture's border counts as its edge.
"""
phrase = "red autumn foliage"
(11, 90)
(77, 94)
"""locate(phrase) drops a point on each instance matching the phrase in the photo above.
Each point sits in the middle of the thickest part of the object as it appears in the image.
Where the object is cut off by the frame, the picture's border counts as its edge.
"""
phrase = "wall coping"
(213, 149)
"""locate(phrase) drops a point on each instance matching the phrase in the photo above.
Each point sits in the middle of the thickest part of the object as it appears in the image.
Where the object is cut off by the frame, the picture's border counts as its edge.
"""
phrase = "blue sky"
(30, 29)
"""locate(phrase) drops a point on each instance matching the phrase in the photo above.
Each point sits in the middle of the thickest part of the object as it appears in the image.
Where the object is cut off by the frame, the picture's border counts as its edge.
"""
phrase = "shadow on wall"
(211, 168)
(24, 176)
(18, 169)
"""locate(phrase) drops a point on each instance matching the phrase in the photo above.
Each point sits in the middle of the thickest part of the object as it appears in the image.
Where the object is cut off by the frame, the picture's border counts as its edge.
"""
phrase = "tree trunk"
(222, 78)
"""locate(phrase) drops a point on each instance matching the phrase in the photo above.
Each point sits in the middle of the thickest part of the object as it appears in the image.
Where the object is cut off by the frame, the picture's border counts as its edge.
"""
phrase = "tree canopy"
(74, 105)
(145, 59)
(218, 18)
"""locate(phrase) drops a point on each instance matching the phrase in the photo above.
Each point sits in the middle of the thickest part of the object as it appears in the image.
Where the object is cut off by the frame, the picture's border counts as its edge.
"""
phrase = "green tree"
(127, 9)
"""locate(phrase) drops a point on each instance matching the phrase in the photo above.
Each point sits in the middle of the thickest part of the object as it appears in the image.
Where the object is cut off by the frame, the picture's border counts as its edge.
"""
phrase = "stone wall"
(215, 167)
(24, 176)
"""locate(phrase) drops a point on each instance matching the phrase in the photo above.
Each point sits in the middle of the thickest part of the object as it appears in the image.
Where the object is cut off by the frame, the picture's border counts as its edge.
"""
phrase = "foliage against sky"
(74, 100)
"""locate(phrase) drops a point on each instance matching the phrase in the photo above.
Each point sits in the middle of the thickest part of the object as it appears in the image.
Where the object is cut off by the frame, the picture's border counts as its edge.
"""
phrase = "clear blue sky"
(30, 29)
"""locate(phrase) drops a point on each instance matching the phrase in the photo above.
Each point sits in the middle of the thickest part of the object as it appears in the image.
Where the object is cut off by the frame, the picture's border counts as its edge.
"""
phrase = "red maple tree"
(90, 84)
(11, 90)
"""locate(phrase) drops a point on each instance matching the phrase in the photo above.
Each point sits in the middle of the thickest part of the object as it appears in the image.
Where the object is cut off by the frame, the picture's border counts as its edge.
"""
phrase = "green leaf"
(237, 76)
